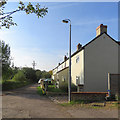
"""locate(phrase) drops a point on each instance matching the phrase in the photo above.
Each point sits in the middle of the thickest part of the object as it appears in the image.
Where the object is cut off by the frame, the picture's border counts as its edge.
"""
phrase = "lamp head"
(65, 21)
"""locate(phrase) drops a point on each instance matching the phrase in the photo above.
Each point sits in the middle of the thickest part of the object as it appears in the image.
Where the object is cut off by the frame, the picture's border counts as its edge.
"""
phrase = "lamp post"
(69, 81)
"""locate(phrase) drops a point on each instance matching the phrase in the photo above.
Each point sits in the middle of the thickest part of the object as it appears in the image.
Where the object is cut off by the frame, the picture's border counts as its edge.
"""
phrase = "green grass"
(39, 91)
(12, 84)
(51, 88)
(93, 105)
(74, 103)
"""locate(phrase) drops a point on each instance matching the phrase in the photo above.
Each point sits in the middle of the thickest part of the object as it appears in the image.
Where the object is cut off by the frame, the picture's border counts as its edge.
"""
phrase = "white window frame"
(77, 58)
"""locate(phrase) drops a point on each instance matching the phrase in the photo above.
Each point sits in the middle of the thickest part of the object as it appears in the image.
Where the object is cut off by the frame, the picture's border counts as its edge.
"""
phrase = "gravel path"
(26, 103)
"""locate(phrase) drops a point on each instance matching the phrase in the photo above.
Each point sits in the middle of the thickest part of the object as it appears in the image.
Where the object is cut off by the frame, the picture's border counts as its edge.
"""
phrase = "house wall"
(58, 73)
(77, 69)
(63, 65)
(101, 58)
(63, 78)
(54, 76)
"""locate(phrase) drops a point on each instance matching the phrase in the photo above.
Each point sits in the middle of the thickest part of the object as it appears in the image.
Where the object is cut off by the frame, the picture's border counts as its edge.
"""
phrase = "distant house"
(91, 63)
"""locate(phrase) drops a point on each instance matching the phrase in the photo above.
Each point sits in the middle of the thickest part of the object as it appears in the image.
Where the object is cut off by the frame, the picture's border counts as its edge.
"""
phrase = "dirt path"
(26, 103)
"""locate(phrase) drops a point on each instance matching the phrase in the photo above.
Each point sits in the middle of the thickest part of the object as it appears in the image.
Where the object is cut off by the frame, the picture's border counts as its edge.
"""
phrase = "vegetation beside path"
(14, 77)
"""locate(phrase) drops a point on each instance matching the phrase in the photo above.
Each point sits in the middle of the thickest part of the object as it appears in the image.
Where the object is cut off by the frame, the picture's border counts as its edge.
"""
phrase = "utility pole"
(34, 64)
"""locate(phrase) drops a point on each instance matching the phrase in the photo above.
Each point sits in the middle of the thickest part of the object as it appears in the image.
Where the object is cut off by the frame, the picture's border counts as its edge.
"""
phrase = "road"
(26, 103)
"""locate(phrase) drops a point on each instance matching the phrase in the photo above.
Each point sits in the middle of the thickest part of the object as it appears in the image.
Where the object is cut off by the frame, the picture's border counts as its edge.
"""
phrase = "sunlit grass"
(39, 91)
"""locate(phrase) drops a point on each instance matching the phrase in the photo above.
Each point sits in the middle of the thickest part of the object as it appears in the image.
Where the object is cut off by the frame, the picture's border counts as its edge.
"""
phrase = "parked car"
(49, 81)
(39, 82)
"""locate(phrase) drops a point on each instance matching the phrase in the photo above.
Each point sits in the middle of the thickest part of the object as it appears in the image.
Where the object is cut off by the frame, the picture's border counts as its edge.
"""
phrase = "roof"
(118, 42)
(63, 69)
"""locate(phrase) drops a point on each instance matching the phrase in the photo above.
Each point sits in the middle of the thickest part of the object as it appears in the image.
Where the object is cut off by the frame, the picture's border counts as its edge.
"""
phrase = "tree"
(51, 72)
(5, 55)
(38, 74)
(30, 74)
(45, 74)
(6, 18)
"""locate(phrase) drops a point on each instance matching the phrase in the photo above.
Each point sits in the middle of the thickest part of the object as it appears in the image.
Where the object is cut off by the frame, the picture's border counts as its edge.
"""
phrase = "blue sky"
(46, 40)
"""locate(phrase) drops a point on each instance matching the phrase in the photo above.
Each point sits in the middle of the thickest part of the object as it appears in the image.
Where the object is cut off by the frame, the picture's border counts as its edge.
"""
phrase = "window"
(64, 64)
(63, 79)
(77, 80)
(77, 59)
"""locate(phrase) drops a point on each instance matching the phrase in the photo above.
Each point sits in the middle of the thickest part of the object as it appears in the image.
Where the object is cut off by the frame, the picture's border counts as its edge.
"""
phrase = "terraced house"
(90, 63)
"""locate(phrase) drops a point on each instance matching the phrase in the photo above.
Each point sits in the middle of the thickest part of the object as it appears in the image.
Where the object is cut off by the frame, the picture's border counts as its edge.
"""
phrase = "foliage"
(14, 71)
(39, 91)
(11, 84)
(45, 74)
(51, 88)
(20, 76)
(64, 87)
(50, 72)
(38, 74)
(5, 53)
(30, 74)
(6, 19)
(5, 56)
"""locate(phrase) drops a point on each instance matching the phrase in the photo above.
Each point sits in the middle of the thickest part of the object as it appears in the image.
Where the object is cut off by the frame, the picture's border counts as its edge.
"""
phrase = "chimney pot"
(101, 29)
(79, 46)
(65, 58)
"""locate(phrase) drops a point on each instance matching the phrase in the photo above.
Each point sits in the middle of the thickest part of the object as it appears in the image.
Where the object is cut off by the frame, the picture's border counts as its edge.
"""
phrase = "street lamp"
(69, 81)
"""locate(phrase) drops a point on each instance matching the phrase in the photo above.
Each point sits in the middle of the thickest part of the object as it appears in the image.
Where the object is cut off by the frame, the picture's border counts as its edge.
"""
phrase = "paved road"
(26, 103)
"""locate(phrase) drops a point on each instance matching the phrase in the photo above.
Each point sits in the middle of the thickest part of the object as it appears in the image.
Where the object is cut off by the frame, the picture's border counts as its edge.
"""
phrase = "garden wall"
(89, 96)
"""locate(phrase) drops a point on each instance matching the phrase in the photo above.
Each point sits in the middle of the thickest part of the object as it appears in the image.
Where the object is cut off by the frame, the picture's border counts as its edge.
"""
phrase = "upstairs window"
(77, 59)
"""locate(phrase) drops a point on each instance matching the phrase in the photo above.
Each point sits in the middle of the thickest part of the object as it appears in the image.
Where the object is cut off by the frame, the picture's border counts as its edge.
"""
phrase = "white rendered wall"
(101, 58)
(77, 69)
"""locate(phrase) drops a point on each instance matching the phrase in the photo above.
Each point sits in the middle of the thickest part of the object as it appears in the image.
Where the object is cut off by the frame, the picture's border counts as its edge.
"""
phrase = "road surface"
(26, 103)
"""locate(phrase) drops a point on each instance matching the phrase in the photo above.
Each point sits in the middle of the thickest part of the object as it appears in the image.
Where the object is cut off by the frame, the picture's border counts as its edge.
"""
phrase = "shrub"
(19, 77)
(64, 87)
(10, 84)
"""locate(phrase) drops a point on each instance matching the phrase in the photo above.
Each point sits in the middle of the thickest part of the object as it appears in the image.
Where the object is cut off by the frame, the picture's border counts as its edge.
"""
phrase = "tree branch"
(10, 13)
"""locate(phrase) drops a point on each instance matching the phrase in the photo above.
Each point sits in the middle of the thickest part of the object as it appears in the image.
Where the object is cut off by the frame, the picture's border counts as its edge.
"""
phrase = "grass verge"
(39, 91)
(80, 102)
(11, 84)
(94, 105)
(51, 88)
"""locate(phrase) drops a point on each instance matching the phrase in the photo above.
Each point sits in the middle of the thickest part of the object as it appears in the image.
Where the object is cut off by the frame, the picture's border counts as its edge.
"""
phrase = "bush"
(10, 84)
(19, 77)
(73, 87)
(64, 87)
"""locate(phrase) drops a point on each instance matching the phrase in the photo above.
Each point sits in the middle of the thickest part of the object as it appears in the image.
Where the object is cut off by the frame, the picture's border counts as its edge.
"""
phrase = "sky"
(46, 40)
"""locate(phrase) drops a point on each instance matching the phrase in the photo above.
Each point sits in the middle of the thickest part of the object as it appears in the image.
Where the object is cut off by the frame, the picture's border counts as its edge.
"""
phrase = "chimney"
(101, 29)
(79, 46)
(65, 58)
